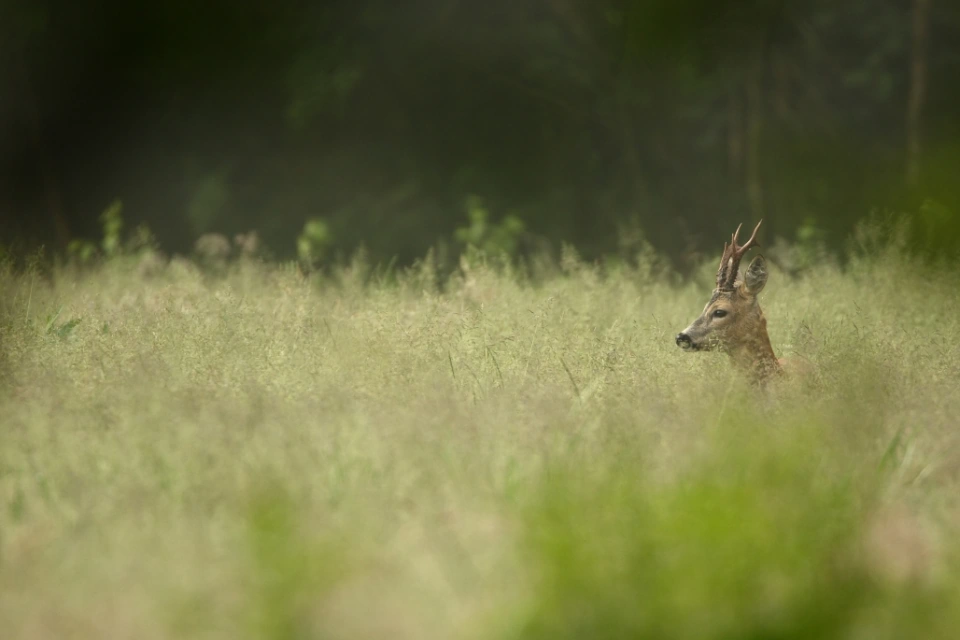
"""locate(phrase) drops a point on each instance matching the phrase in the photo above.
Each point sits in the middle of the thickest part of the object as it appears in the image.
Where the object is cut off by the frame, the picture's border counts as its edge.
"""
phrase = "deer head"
(732, 320)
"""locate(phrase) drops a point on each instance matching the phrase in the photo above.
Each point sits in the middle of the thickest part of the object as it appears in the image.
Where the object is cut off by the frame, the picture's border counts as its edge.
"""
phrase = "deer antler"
(730, 261)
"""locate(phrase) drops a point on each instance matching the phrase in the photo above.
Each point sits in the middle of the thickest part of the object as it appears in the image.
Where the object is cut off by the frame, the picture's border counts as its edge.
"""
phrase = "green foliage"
(498, 239)
(759, 540)
(81, 251)
(112, 221)
(314, 241)
(289, 569)
(63, 330)
(140, 246)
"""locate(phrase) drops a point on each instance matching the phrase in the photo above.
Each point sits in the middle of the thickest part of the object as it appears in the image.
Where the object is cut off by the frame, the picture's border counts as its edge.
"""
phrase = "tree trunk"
(754, 127)
(51, 185)
(735, 134)
(781, 93)
(918, 89)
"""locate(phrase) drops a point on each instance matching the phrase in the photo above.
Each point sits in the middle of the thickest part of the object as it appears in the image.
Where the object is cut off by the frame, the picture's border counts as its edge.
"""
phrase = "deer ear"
(756, 276)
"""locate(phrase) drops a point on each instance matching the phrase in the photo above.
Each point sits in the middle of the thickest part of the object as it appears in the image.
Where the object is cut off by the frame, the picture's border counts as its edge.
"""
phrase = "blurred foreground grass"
(255, 455)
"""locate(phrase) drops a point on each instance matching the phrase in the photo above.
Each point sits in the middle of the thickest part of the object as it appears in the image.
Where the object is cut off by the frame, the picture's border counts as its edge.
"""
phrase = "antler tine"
(730, 262)
(721, 270)
(736, 234)
(752, 242)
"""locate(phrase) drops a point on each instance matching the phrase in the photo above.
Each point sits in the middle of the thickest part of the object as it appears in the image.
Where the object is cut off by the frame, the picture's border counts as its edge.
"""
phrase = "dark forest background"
(603, 123)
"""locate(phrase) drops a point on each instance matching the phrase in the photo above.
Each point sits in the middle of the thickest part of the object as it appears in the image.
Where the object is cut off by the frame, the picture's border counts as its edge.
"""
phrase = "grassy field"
(256, 455)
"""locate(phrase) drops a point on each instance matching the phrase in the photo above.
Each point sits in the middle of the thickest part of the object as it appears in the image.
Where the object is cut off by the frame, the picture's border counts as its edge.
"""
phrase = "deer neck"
(755, 354)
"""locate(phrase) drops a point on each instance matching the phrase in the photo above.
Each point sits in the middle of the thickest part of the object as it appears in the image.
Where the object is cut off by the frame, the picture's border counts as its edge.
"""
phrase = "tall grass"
(255, 454)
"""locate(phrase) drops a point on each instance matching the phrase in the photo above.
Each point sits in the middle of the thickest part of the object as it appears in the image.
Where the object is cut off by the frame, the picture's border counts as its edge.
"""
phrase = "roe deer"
(732, 320)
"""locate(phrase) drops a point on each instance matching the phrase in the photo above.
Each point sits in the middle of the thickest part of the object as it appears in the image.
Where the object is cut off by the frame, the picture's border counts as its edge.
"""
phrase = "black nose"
(684, 341)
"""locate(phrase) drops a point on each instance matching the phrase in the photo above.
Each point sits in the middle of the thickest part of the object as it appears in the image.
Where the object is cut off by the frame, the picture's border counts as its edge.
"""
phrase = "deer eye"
(719, 313)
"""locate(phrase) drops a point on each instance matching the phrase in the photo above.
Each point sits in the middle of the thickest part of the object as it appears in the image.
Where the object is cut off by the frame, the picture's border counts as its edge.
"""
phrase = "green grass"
(255, 455)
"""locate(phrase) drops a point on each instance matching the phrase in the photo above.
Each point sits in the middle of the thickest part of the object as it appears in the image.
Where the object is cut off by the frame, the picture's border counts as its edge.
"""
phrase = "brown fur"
(732, 320)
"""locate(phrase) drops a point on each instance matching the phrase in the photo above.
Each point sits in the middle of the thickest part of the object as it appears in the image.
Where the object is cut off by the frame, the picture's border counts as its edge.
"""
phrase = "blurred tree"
(918, 88)
(683, 117)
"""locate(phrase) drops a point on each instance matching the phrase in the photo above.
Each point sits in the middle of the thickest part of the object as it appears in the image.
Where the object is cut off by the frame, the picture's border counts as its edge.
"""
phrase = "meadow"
(252, 453)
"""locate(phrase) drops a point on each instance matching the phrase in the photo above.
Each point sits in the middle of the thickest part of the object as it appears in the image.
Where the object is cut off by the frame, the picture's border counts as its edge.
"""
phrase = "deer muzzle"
(684, 341)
